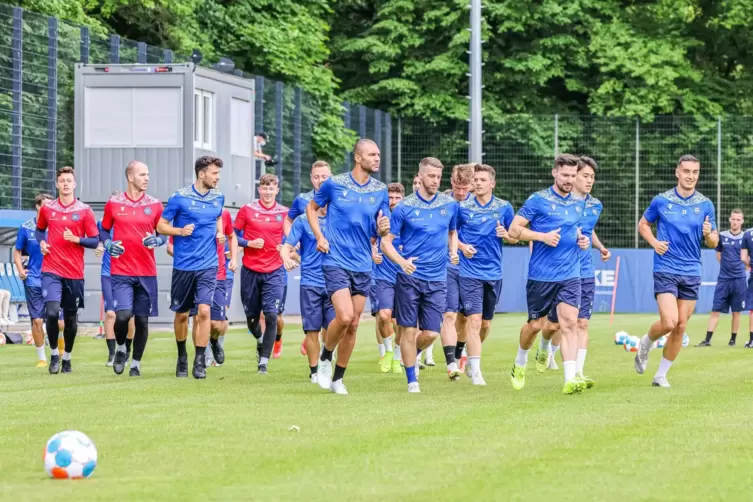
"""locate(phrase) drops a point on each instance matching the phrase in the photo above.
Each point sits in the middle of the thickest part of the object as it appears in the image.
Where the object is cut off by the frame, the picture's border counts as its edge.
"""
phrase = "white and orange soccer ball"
(2, 339)
(631, 344)
(70, 455)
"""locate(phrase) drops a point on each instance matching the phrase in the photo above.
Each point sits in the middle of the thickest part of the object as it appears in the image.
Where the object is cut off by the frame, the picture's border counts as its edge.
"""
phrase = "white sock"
(40, 353)
(555, 348)
(581, 360)
(135, 363)
(475, 362)
(382, 349)
(570, 367)
(646, 342)
(387, 343)
(545, 344)
(429, 351)
(398, 355)
(66, 356)
(121, 348)
(54, 352)
(263, 361)
(664, 366)
(522, 359)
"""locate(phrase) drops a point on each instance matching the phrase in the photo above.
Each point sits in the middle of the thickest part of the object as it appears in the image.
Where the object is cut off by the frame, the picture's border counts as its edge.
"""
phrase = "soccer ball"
(2, 339)
(70, 455)
(685, 340)
(29, 338)
(631, 344)
(620, 337)
(661, 342)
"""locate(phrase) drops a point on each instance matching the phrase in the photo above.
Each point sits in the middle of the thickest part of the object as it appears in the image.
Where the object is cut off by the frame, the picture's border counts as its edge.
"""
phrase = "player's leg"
(492, 292)
(448, 333)
(72, 299)
(472, 299)
(206, 280)
(384, 293)
(461, 328)
(35, 306)
(218, 322)
(348, 342)
(431, 311)
(710, 328)
(122, 290)
(407, 298)
(567, 315)
(543, 353)
(109, 322)
(251, 300)
(272, 290)
(182, 291)
(277, 350)
(666, 291)
(588, 292)
(722, 298)
(540, 298)
(311, 301)
(145, 305)
(52, 293)
(339, 289)
(737, 306)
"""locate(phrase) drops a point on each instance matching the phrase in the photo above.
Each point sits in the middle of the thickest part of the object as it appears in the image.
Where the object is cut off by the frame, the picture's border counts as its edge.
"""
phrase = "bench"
(10, 281)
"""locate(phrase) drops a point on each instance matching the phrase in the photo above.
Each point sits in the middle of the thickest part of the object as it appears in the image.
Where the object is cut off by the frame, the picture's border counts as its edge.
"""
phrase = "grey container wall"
(101, 94)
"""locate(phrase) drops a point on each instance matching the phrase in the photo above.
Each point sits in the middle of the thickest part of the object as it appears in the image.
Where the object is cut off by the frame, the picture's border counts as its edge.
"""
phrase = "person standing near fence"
(684, 219)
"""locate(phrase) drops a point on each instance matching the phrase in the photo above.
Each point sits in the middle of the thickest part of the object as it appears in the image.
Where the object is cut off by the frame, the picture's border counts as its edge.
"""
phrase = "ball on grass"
(70, 455)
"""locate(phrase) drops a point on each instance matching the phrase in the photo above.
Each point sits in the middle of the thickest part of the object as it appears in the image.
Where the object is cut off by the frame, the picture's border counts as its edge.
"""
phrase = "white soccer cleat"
(660, 382)
(338, 387)
(552, 362)
(468, 371)
(453, 371)
(324, 374)
(641, 357)
(413, 388)
(477, 379)
(429, 358)
(314, 378)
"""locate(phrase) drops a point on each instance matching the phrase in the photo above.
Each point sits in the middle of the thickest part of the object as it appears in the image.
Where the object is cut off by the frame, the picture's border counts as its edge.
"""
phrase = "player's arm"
(710, 232)
(744, 253)
(232, 241)
(605, 253)
(519, 230)
(311, 208)
(718, 256)
(504, 225)
(40, 233)
(17, 256)
(287, 251)
(647, 233)
(453, 244)
(91, 232)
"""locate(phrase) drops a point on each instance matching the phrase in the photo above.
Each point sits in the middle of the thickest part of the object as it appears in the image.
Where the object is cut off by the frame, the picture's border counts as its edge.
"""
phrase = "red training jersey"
(131, 221)
(257, 221)
(66, 259)
(227, 229)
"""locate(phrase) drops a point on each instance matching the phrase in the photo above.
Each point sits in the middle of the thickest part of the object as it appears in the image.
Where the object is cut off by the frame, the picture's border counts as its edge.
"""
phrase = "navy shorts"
(373, 300)
(336, 278)
(452, 302)
(137, 294)
(34, 301)
(68, 292)
(682, 287)
(587, 294)
(228, 291)
(478, 296)
(384, 294)
(106, 282)
(316, 308)
(419, 302)
(543, 297)
(192, 287)
(281, 309)
(262, 292)
(730, 294)
(218, 310)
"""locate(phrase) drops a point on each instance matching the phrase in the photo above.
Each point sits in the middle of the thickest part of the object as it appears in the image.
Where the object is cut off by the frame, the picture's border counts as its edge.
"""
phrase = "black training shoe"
(134, 372)
(55, 364)
(258, 352)
(704, 343)
(120, 361)
(110, 360)
(67, 366)
(262, 370)
(748, 345)
(217, 352)
(199, 368)
(181, 369)
(731, 342)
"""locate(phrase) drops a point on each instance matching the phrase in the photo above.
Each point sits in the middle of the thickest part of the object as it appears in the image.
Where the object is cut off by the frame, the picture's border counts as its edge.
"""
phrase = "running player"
(425, 221)
(259, 226)
(385, 276)
(27, 243)
(483, 221)
(684, 218)
(356, 204)
(731, 290)
(70, 227)
(746, 253)
(196, 214)
(553, 283)
(316, 307)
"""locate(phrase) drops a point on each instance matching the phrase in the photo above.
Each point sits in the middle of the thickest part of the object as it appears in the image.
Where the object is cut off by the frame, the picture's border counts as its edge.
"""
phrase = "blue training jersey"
(477, 226)
(731, 266)
(229, 274)
(298, 207)
(449, 262)
(587, 224)
(679, 221)
(423, 226)
(26, 242)
(198, 251)
(387, 270)
(351, 213)
(546, 210)
(311, 259)
(105, 272)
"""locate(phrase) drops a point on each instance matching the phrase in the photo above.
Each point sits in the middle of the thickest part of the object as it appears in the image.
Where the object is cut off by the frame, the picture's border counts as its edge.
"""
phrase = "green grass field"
(226, 438)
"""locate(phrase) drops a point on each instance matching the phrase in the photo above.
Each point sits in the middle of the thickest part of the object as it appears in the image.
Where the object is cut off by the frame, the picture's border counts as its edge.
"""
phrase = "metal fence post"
(718, 166)
(16, 118)
(556, 134)
(167, 56)
(141, 53)
(279, 90)
(348, 153)
(361, 121)
(52, 98)
(297, 142)
(378, 138)
(259, 167)
(84, 49)
(637, 214)
(114, 49)
(400, 150)
(388, 146)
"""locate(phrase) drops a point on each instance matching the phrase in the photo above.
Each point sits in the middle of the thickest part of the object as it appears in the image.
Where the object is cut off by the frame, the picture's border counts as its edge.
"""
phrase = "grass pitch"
(227, 438)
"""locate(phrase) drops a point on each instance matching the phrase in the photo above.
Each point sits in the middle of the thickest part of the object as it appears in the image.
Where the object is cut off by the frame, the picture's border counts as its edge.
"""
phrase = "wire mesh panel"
(736, 153)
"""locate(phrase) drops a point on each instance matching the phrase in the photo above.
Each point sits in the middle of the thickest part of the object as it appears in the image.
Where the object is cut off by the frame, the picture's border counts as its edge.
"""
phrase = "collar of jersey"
(428, 202)
(684, 198)
(554, 192)
(483, 206)
(69, 205)
(139, 199)
(357, 183)
(193, 187)
(274, 203)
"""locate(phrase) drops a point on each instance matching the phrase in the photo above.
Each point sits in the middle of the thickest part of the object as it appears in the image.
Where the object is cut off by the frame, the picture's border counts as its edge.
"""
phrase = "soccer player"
(196, 215)
(684, 218)
(746, 253)
(385, 276)
(482, 223)
(356, 204)
(731, 290)
(553, 216)
(316, 307)
(70, 227)
(259, 226)
(416, 183)
(26, 242)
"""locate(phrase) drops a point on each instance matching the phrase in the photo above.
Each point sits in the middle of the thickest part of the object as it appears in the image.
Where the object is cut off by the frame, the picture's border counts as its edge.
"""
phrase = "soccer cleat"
(324, 374)
(641, 358)
(181, 368)
(453, 372)
(258, 351)
(199, 370)
(277, 351)
(463, 362)
(419, 364)
(134, 372)
(54, 365)
(397, 367)
(468, 371)
(41, 364)
(518, 377)
(218, 353)
(574, 387)
(429, 359)
(542, 360)
(588, 381)
(303, 347)
(119, 364)
(660, 382)
(262, 370)
(731, 342)
(99, 337)
(338, 387)
(477, 379)
(313, 378)
(413, 388)
(749, 345)
(110, 360)
(385, 363)
(66, 367)
(704, 343)
(552, 362)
